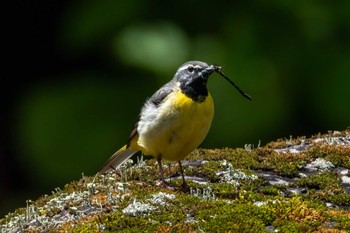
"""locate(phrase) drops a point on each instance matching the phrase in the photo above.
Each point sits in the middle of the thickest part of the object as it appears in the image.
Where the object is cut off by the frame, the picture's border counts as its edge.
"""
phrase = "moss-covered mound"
(291, 185)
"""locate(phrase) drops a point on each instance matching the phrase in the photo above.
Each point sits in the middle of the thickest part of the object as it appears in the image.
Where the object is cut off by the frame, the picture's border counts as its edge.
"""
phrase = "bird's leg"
(159, 160)
(184, 184)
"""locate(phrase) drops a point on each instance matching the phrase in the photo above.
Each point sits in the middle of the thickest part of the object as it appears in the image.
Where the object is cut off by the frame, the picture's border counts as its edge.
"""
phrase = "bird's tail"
(117, 159)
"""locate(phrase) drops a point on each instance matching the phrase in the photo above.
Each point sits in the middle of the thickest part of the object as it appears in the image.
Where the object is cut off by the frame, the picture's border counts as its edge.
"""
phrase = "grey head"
(192, 78)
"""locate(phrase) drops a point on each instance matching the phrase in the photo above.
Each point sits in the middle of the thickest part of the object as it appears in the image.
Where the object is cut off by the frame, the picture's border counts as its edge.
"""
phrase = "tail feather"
(117, 159)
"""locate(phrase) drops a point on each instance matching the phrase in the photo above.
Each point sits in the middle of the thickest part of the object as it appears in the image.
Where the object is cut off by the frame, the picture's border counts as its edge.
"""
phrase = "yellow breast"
(179, 126)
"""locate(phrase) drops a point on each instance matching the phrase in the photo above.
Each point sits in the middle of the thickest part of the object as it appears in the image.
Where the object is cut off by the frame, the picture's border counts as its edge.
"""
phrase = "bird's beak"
(210, 69)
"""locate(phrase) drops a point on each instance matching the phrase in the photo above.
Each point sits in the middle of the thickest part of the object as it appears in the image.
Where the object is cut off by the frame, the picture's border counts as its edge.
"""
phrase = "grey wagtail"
(175, 120)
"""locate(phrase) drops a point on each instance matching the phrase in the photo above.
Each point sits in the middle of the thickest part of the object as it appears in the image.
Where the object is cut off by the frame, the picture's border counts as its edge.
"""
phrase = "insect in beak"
(217, 69)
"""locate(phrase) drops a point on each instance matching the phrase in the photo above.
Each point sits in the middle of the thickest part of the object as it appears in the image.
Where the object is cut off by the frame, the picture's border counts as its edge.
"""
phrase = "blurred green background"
(76, 74)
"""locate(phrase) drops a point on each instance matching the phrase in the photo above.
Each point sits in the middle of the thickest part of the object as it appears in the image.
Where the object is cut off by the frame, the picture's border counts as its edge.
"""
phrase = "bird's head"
(192, 79)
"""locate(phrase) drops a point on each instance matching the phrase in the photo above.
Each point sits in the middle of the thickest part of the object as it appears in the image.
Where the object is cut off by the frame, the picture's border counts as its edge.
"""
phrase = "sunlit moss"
(233, 195)
(319, 181)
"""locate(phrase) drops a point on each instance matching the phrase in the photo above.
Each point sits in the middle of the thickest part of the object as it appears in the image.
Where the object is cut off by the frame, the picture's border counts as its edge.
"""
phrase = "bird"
(174, 121)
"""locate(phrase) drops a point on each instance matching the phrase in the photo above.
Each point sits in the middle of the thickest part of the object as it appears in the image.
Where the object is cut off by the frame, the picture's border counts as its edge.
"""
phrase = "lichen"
(290, 185)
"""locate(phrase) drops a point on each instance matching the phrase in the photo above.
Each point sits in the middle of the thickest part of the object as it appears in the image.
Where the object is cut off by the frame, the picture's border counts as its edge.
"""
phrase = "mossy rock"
(291, 185)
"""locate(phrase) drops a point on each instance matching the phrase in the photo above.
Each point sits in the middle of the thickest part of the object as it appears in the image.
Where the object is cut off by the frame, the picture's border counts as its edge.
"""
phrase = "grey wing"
(160, 95)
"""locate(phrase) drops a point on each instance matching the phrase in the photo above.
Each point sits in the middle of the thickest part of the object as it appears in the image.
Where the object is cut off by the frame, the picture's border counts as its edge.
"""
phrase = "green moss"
(241, 158)
(342, 222)
(270, 190)
(208, 170)
(235, 199)
(285, 164)
(225, 190)
(340, 199)
(291, 227)
(207, 154)
(337, 155)
(117, 222)
(252, 185)
(319, 181)
(288, 215)
(225, 217)
(296, 215)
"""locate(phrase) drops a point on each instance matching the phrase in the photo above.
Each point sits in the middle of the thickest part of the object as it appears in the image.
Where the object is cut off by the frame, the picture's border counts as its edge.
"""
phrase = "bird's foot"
(185, 187)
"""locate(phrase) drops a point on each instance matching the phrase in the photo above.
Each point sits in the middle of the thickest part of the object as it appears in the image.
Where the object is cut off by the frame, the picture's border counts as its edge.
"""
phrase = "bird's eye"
(190, 69)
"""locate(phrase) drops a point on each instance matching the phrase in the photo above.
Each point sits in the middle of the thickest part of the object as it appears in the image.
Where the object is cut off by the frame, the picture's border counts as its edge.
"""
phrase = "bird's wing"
(158, 97)
(119, 157)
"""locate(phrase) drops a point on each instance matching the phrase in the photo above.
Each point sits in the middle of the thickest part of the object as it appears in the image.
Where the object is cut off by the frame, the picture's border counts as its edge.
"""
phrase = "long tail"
(117, 159)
